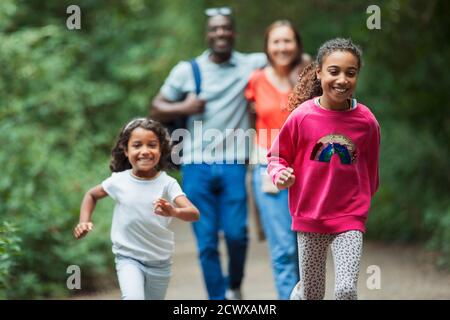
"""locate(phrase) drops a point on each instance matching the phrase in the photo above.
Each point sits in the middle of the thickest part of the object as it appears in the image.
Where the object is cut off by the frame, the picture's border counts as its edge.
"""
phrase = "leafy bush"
(64, 95)
(9, 250)
(407, 92)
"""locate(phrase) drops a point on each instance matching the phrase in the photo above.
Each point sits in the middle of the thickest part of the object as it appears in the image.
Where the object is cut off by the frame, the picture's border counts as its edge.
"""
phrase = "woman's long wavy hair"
(119, 161)
(308, 86)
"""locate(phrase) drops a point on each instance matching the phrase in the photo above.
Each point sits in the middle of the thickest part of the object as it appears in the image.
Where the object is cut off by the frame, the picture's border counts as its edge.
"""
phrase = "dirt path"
(406, 272)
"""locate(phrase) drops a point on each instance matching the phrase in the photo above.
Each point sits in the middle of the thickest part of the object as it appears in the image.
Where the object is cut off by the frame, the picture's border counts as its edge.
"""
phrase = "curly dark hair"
(308, 86)
(119, 161)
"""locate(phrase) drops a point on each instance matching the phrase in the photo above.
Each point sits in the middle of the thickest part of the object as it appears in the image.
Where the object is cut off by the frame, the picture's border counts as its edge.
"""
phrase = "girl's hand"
(286, 179)
(164, 208)
(82, 229)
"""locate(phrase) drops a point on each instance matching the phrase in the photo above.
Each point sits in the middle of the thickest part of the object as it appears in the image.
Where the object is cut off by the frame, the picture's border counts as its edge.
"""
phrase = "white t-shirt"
(137, 232)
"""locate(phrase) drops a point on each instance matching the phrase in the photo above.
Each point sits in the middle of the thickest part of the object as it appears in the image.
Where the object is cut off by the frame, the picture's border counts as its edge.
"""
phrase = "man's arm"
(163, 109)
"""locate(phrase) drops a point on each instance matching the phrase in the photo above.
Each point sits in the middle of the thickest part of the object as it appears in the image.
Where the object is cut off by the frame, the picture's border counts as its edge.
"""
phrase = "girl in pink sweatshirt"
(327, 155)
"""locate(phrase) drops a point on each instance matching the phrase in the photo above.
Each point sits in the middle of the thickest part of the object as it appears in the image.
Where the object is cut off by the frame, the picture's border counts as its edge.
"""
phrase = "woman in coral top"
(268, 90)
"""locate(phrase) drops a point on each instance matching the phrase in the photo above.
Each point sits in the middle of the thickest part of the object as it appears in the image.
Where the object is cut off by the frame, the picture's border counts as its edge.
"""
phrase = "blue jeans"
(218, 191)
(276, 222)
(139, 281)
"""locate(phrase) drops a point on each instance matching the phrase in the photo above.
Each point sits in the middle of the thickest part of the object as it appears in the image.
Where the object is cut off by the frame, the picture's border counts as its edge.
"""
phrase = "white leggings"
(140, 281)
(346, 249)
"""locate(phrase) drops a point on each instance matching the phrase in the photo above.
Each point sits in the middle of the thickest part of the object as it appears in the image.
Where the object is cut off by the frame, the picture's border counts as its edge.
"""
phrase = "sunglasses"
(223, 11)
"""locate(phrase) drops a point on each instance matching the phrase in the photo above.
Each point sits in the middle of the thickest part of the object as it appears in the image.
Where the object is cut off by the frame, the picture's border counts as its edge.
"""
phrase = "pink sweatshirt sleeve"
(373, 159)
(281, 154)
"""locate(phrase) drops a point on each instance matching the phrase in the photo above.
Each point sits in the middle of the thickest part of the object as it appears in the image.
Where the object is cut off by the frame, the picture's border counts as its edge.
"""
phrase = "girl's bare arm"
(87, 208)
(185, 210)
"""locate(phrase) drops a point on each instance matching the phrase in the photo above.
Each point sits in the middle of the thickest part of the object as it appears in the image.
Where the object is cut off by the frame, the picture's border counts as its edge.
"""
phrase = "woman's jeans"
(139, 281)
(276, 221)
(218, 191)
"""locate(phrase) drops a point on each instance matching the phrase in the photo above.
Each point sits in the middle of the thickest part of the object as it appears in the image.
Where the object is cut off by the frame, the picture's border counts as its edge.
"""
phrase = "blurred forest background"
(65, 93)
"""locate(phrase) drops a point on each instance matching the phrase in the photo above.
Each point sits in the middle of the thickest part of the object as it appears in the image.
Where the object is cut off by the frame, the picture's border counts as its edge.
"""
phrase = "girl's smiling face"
(338, 75)
(143, 152)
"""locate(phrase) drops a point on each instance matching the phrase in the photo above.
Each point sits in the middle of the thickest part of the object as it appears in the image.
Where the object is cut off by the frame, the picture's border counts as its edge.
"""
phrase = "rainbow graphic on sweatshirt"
(332, 144)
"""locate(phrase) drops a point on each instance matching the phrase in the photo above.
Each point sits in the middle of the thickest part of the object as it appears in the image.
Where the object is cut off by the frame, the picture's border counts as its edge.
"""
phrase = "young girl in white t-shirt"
(146, 200)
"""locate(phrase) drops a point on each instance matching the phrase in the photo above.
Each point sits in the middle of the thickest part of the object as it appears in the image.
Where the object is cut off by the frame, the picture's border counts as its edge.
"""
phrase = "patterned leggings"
(346, 249)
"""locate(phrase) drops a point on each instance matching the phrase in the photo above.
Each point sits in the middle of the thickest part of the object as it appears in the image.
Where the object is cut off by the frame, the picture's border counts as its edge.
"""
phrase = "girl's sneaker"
(295, 294)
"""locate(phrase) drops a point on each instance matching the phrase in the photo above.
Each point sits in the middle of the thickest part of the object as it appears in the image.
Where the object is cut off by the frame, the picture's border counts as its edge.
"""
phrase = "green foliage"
(64, 95)
(437, 221)
(406, 85)
(9, 250)
(411, 186)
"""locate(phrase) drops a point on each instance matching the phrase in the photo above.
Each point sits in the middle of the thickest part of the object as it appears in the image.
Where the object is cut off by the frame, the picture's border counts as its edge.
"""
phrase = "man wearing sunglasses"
(216, 183)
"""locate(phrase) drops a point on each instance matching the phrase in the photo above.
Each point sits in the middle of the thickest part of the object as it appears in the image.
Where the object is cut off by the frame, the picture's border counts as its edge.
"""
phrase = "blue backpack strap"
(197, 76)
